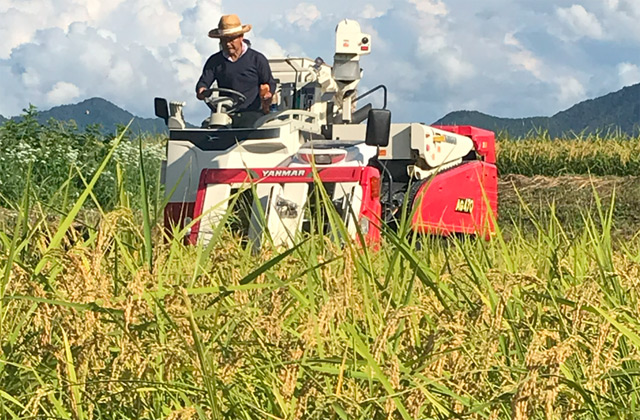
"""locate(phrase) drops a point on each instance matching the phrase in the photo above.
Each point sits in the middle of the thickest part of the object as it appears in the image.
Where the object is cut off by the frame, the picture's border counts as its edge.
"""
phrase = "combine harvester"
(447, 173)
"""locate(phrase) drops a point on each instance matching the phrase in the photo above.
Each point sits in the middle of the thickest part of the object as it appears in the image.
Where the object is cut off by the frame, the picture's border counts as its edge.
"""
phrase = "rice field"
(595, 155)
(103, 316)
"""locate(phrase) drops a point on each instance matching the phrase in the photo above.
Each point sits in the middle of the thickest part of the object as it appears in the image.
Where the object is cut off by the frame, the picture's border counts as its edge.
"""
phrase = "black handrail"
(295, 83)
(383, 87)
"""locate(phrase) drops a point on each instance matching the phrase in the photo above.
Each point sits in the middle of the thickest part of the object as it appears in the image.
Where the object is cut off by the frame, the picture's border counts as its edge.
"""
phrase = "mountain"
(100, 111)
(616, 111)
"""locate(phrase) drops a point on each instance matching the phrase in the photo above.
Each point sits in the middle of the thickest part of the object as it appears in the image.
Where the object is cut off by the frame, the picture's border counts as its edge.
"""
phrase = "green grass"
(60, 155)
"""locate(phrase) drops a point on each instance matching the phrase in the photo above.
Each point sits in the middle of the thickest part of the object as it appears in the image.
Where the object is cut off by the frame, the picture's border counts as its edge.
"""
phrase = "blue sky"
(511, 58)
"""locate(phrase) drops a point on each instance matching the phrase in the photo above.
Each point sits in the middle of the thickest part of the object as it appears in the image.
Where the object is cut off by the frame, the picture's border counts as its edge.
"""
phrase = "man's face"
(232, 45)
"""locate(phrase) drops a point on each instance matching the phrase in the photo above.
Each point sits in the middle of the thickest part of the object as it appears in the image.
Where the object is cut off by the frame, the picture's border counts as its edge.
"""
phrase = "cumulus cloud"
(580, 22)
(629, 7)
(62, 93)
(522, 57)
(124, 50)
(148, 22)
(431, 7)
(628, 73)
(498, 56)
(620, 19)
(304, 15)
(16, 28)
(439, 51)
(570, 90)
(371, 12)
(60, 66)
(269, 47)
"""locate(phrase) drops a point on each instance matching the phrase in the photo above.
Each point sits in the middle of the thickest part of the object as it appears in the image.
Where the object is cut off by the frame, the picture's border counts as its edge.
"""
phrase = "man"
(239, 67)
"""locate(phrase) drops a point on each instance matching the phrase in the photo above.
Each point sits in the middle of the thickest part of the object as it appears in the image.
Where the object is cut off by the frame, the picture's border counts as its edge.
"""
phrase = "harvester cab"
(315, 135)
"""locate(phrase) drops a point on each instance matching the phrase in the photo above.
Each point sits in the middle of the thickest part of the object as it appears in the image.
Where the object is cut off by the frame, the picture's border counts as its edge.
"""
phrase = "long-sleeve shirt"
(244, 75)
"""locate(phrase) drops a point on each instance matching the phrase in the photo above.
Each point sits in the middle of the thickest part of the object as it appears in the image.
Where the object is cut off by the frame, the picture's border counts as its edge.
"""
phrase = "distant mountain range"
(616, 111)
(100, 111)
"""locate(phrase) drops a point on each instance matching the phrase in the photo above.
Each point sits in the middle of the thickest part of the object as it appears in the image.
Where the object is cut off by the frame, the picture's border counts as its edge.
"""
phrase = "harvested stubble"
(569, 197)
(544, 326)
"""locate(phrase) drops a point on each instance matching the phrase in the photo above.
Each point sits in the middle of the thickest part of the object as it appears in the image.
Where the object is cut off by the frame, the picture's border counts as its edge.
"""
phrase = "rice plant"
(595, 154)
(113, 319)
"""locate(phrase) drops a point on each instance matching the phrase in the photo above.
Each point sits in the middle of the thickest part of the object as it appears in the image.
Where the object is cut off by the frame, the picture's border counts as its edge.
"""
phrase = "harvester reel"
(228, 101)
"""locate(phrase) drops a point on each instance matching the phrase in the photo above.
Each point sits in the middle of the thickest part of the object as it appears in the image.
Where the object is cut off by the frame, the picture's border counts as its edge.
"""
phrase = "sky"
(509, 58)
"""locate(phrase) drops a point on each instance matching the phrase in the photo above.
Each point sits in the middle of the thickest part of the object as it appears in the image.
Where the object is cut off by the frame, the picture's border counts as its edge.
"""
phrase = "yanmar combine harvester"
(368, 171)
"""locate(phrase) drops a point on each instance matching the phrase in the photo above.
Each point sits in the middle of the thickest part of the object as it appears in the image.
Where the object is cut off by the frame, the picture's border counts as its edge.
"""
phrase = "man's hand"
(265, 97)
(200, 95)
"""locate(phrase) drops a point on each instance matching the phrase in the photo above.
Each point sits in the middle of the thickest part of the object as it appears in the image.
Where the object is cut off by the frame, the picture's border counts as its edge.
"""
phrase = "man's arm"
(200, 93)
(265, 97)
(267, 83)
(206, 79)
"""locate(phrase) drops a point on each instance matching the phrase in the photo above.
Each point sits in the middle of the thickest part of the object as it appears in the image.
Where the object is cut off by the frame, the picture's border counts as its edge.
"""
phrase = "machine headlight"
(322, 159)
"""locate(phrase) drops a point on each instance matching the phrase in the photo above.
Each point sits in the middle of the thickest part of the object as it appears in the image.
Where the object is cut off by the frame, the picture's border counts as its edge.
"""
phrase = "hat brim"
(216, 33)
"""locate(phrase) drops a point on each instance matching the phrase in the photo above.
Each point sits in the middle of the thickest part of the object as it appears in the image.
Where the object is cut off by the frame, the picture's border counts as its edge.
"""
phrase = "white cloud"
(434, 55)
(269, 47)
(456, 69)
(371, 12)
(580, 22)
(629, 74)
(186, 62)
(522, 57)
(438, 49)
(62, 93)
(304, 15)
(620, 19)
(630, 7)
(196, 23)
(96, 9)
(30, 78)
(570, 90)
(121, 74)
(432, 44)
(431, 7)
(108, 35)
(98, 58)
(16, 28)
(147, 22)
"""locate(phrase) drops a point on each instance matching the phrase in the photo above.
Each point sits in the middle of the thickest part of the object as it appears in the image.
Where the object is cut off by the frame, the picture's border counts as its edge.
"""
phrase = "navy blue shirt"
(244, 75)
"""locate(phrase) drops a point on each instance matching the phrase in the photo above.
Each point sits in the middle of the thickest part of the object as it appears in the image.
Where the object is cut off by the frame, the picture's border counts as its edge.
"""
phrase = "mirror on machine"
(378, 127)
(161, 108)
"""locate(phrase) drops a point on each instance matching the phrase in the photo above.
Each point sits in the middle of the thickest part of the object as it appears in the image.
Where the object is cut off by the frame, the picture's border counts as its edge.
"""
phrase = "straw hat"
(229, 25)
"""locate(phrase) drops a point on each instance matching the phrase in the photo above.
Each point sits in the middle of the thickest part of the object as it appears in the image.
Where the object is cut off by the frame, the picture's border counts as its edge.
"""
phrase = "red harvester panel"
(463, 199)
(176, 213)
(484, 140)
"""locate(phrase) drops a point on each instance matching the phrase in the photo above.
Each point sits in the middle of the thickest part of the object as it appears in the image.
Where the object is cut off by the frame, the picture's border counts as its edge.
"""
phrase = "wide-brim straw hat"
(229, 25)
